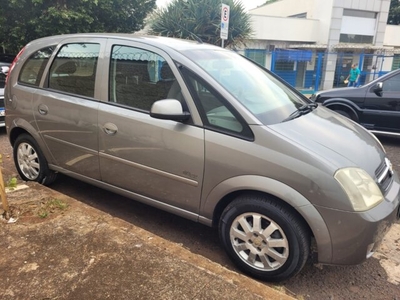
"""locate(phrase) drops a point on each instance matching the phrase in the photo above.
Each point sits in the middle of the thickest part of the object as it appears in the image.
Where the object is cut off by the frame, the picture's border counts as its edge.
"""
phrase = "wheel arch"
(217, 201)
(344, 105)
(21, 126)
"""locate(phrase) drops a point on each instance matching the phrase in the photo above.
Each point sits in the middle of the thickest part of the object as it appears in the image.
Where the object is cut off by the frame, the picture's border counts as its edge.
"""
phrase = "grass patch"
(51, 206)
(12, 182)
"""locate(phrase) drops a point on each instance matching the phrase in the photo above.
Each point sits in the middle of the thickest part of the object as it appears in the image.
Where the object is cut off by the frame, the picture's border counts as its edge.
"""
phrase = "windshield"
(263, 95)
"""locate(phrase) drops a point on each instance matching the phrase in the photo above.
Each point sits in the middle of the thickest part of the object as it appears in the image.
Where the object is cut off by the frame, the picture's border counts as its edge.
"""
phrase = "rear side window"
(74, 69)
(32, 70)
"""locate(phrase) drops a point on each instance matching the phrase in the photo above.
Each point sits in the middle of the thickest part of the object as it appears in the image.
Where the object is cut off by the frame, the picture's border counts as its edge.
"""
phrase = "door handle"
(110, 128)
(43, 109)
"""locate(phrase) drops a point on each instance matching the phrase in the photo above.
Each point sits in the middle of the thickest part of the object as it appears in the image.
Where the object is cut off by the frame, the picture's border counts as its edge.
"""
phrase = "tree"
(394, 12)
(182, 19)
(24, 20)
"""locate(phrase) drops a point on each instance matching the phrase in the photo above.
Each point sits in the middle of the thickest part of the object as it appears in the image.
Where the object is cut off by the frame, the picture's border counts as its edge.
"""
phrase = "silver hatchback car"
(207, 134)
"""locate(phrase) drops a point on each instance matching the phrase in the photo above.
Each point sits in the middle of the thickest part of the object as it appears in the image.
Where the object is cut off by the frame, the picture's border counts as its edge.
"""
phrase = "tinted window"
(139, 77)
(392, 84)
(74, 69)
(32, 70)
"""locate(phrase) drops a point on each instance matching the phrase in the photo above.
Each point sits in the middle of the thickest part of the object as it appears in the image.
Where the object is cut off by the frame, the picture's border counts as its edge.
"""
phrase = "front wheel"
(30, 161)
(264, 238)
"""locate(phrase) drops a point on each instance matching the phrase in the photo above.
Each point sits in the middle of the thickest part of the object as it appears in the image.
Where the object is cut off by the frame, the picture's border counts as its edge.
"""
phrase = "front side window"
(140, 77)
(216, 112)
(32, 70)
(392, 84)
(74, 69)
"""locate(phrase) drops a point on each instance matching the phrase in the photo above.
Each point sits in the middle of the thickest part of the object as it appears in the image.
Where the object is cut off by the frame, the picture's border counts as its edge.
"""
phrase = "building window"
(356, 38)
(299, 16)
(257, 55)
(396, 62)
(359, 13)
(285, 66)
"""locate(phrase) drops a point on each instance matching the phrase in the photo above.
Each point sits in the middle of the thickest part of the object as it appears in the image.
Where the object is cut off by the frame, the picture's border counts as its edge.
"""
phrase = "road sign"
(224, 21)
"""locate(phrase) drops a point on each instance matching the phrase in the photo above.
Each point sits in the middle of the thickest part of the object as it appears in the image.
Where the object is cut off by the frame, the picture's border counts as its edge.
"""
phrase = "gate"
(304, 69)
(370, 65)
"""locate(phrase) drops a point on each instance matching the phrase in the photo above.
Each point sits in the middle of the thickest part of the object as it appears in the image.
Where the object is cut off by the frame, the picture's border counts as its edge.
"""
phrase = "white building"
(338, 31)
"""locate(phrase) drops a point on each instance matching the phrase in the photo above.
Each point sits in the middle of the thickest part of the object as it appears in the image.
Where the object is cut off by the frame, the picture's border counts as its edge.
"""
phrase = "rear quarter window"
(32, 70)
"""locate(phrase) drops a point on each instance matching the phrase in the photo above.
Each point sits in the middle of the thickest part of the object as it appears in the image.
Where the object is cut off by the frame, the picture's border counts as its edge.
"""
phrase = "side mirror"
(168, 109)
(378, 89)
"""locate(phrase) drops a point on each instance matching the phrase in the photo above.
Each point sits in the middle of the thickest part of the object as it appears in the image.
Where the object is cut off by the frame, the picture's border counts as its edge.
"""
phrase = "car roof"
(159, 41)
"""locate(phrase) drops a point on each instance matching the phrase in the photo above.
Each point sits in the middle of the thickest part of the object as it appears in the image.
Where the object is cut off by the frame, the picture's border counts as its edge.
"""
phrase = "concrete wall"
(285, 29)
(392, 36)
(284, 8)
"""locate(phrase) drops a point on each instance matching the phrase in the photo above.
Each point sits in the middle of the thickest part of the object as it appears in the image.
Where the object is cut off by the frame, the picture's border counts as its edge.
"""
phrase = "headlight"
(361, 189)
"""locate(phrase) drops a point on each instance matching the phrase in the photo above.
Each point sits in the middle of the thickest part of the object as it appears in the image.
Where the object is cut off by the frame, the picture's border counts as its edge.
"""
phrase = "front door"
(383, 112)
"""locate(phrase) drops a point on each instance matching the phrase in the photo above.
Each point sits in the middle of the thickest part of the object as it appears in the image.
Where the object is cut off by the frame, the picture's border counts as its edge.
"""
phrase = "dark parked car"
(376, 105)
(4, 67)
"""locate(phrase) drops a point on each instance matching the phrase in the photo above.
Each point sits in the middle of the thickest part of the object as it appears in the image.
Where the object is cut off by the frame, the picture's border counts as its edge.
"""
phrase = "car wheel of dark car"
(30, 161)
(264, 238)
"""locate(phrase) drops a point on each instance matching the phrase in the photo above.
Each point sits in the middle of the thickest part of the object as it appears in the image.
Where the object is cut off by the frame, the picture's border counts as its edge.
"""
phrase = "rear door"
(157, 159)
(66, 109)
(383, 112)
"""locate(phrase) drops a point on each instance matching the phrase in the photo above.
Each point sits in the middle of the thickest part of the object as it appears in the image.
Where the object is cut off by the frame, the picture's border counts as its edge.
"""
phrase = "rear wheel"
(30, 161)
(264, 238)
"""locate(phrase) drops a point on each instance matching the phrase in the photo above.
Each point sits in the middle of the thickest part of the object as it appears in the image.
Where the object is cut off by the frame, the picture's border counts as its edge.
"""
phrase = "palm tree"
(189, 19)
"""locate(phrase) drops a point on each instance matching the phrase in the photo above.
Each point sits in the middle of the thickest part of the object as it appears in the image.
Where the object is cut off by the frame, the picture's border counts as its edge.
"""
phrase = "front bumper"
(356, 235)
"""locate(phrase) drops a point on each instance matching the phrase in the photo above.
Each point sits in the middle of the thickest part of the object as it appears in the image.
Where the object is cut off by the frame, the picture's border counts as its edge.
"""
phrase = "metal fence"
(304, 69)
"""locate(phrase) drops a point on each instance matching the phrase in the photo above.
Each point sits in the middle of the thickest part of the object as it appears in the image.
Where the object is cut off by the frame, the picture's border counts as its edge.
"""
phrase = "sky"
(248, 4)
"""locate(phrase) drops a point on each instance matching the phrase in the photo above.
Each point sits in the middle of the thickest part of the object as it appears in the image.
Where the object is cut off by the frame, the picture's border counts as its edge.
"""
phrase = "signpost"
(224, 23)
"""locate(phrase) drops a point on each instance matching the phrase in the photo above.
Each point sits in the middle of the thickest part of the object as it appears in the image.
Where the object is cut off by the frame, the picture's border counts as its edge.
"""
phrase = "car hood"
(341, 92)
(337, 140)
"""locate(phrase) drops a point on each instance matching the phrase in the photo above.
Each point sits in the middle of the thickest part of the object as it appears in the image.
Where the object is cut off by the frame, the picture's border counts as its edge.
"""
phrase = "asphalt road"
(367, 280)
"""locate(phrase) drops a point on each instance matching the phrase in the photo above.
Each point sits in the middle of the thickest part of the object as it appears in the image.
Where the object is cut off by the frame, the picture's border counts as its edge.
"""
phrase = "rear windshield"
(270, 100)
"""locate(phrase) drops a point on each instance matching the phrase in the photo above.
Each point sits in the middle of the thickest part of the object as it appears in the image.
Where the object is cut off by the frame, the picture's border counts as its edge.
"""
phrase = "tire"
(274, 249)
(30, 161)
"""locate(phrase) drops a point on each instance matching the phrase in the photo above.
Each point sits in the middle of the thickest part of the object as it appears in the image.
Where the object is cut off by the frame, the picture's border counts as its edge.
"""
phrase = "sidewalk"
(74, 251)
